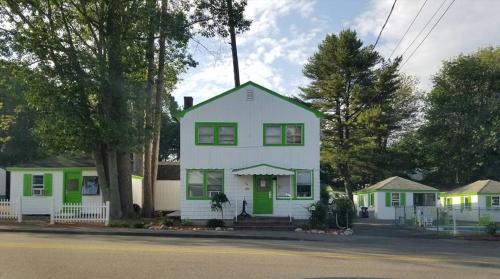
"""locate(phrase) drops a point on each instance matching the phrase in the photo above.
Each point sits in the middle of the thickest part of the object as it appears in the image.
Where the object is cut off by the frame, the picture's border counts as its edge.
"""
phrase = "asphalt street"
(26, 255)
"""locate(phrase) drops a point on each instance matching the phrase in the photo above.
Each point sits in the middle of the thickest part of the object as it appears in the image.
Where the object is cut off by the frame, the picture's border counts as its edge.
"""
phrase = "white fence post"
(52, 209)
(106, 222)
(20, 210)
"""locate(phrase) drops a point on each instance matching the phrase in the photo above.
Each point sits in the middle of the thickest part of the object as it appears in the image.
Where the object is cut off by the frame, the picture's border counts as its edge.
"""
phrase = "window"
(424, 199)
(395, 199)
(283, 134)
(304, 184)
(284, 184)
(466, 202)
(449, 202)
(204, 184)
(216, 133)
(37, 185)
(90, 186)
(371, 199)
(495, 200)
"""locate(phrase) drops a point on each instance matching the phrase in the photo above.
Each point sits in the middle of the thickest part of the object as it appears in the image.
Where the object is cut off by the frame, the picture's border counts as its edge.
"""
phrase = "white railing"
(10, 210)
(80, 213)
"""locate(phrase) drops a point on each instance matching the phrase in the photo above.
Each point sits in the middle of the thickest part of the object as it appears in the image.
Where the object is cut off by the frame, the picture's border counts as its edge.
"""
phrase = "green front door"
(72, 186)
(263, 194)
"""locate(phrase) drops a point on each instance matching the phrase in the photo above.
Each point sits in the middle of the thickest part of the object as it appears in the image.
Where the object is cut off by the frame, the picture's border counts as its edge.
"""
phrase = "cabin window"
(204, 184)
(449, 202)
(495, 201)
(284, 183)
(467, 202)
(90, 186)
(216, 133)
(424, 199)
(395, 199)
(371, 199)
(304, 184)
(37, 185)
(283, 134)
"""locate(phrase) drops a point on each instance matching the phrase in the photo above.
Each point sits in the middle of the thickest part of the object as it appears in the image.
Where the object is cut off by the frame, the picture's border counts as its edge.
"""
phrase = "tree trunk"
(102, 173)
(234, 50)
(139, 163)
(147, 194)
(114, 190)
(125, 184)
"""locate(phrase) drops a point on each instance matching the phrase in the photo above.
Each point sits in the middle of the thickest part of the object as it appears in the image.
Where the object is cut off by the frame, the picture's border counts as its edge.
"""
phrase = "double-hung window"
(495, 201)
(204, 184)
(216, 133)
(371, 199)
(283, 134)
(395, 199)
(284, 187)
(304, 184)
(37, 185)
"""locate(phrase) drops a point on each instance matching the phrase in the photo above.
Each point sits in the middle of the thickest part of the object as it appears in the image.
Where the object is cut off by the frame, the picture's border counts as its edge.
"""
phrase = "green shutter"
(488, 201)
(27, 185)
(47, 184)
(388, 199)
(402, 198)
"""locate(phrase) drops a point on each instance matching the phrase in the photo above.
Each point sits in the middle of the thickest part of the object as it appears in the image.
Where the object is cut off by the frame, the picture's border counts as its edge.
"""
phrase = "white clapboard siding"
(9, 209)
(81, 213)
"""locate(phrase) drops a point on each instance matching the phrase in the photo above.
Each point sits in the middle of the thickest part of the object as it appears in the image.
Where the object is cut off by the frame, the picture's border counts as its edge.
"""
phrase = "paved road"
(24, 255)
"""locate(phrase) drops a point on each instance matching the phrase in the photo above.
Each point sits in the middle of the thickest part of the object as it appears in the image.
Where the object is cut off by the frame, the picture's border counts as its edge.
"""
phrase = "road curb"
(152, 233)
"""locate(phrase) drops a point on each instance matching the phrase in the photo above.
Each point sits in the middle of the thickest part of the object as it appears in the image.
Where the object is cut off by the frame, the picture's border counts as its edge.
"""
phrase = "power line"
(422, 30)
(408, 29)
(427, 35)
(383, 26)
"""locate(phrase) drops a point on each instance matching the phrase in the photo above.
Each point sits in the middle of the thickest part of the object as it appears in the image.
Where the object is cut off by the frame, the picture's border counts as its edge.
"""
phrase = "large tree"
(460, 140)
(224, 18)
(361, 97)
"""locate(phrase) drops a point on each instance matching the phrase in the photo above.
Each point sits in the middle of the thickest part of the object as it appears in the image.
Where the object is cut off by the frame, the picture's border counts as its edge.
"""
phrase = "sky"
(284, 33)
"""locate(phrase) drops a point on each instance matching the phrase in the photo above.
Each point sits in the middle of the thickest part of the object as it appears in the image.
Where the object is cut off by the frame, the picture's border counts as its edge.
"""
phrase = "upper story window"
(283, 134)
(216, 133)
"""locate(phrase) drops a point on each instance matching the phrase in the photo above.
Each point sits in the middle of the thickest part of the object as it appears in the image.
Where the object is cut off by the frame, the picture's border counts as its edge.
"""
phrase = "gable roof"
(73, 161)
(290, 100)
(478, 187)
(397, 183)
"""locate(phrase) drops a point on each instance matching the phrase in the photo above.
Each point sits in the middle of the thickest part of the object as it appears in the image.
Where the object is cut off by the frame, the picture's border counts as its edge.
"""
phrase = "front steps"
(264, 223)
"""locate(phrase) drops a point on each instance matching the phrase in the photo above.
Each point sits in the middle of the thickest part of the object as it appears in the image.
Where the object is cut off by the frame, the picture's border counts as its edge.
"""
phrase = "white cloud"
(466, 27)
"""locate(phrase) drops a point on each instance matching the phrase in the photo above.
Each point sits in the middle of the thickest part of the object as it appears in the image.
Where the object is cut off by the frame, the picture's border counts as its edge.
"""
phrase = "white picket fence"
(10, 210)
(81, 213)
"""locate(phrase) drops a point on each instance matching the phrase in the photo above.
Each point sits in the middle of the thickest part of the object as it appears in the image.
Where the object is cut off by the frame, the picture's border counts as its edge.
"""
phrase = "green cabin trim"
(205, 184)
(283, 127)
(216, 126)
(260, 165)
(317, 113)
(137, 177)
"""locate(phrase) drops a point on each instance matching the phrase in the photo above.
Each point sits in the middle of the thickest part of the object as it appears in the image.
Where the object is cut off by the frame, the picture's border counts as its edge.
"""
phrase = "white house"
(474, 200)
(383, 198)
(58, 179)
(253, 144)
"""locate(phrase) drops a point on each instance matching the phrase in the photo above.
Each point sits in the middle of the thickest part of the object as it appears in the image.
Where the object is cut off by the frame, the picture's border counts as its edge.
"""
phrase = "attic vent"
(250, 95)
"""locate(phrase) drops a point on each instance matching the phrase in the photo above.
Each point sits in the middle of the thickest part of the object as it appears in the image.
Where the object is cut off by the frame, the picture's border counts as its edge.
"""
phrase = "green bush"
(186, 222)
(485, 220)
(343, 208)
(167, 222)
(214, 223)
(319, 215)
(491, 228)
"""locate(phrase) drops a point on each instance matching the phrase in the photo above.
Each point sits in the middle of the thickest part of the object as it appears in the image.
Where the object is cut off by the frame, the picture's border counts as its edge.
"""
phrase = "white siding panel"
(167, 195)
(3, 181)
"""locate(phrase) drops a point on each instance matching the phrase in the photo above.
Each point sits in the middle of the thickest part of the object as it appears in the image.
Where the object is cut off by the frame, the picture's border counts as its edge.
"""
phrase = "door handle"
(270, 194)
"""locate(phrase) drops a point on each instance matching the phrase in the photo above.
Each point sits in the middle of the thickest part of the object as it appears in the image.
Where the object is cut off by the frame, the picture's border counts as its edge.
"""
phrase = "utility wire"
(428, 33)
(408, 29)
(383, 26)
(422, 30)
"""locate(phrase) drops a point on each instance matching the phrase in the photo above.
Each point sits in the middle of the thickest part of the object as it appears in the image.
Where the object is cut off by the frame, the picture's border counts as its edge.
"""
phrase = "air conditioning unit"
(37, 192)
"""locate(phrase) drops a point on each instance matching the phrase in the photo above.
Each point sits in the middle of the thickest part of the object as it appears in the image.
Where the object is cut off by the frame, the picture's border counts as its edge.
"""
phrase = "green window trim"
(283, 127)
(295, 197)
(47, 182)
(371, 199)
(216, 132)
(205, 183)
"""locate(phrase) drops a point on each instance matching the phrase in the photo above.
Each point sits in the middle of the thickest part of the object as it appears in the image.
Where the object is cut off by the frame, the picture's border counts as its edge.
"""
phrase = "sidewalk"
(235, 234)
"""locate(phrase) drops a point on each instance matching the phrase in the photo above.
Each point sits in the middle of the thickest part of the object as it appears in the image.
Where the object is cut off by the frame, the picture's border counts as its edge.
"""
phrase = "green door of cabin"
(72, 186)
(263, 194)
